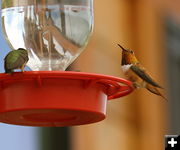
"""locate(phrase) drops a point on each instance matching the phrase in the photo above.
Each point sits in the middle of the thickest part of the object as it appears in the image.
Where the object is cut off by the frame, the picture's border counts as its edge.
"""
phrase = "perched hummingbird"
(137, 73)
(16, 59)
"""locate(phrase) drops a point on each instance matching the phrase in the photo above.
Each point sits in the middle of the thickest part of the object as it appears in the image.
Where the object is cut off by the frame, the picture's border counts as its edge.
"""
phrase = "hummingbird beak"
(122, 47)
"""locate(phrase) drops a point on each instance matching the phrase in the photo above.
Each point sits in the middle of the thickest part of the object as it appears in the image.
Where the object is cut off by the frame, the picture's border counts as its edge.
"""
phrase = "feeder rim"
(116, 87)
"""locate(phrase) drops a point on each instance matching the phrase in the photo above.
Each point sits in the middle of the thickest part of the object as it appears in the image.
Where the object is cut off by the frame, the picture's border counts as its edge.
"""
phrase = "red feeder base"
(55, 98)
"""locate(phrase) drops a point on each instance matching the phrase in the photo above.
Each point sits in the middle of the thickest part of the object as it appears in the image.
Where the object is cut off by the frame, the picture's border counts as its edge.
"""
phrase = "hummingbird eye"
(131, 52)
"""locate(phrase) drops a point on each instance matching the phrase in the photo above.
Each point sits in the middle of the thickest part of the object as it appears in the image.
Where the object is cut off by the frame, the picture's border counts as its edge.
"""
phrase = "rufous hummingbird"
(136, 73)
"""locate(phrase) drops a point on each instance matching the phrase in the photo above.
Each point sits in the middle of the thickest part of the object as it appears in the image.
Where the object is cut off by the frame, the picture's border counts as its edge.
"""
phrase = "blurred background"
(138, 121)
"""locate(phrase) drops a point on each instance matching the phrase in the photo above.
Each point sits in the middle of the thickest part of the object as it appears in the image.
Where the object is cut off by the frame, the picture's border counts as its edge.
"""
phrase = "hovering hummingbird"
(16, 59)
(137, 73)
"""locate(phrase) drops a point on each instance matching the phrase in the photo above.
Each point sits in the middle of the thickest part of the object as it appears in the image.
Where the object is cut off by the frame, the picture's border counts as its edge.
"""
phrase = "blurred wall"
(139, 120)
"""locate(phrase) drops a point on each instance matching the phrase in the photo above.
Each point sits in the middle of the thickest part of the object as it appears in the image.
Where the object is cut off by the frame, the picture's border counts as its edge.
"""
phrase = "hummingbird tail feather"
(154, 90)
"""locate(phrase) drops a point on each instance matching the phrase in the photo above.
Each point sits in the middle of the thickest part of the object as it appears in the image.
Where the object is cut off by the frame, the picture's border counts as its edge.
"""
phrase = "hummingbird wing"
(144, 75)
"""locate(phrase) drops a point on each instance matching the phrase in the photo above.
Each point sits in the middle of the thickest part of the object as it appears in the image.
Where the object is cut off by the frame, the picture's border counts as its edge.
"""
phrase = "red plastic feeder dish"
(55, 98)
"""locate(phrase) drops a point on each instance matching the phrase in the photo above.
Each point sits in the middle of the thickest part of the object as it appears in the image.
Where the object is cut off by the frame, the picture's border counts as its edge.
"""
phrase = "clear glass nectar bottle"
(54, 32)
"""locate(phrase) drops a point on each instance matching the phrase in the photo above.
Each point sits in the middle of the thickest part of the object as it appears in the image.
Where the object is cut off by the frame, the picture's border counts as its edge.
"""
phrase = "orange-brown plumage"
(136, 73)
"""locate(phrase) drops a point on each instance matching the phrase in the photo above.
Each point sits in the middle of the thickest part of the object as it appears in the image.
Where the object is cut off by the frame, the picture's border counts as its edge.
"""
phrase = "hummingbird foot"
(22, 67)
(136, 85)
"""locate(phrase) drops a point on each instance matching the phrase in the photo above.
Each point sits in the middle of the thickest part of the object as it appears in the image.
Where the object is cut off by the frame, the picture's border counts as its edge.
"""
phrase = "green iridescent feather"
(15, 60)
